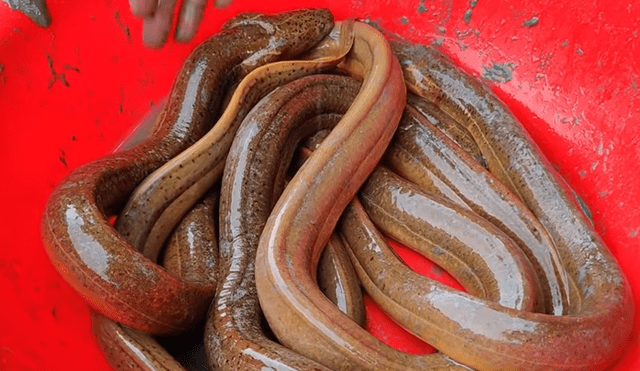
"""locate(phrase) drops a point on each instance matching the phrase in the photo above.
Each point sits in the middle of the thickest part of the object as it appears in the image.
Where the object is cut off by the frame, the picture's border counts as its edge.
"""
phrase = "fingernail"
(188, 24)
(185, 32)
(135, 6)
(154, 33)
(222, 3)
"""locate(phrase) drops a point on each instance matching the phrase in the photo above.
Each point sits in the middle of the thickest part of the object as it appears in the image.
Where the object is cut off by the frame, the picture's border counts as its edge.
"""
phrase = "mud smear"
(62, 77)
(36, 10)
(123, 26)
(499, 72)
(531, 22)
(421, 7)
(63, 158)
(449, 7)
(467, 16)
(583, 206)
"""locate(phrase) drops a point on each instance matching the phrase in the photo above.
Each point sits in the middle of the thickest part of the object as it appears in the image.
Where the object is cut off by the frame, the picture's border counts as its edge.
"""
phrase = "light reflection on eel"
(174, 188)
(254, 176)
(595, 330)
(477, 253)
(308, 210)
(423, 155)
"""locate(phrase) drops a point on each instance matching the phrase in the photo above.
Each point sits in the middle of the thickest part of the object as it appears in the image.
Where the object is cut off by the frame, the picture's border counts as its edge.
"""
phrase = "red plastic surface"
(69, 94)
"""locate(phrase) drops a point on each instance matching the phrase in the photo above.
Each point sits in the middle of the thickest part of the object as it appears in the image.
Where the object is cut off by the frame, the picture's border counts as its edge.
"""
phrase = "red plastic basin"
(70, 93)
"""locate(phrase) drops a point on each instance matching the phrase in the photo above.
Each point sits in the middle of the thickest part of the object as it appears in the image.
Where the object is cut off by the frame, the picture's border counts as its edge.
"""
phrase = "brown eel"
(84, 247)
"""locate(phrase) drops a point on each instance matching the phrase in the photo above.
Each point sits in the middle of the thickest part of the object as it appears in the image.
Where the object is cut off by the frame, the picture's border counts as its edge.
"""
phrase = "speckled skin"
(486, 262)
(116, 280)
(421, 305)
(254, 177)
(450, 127)
(338, 281)
(176, 185)
(495, 270)
(335, 275)
(127, 349)
(596, 328)
(305, 215)
(191, 252)
(420, 153)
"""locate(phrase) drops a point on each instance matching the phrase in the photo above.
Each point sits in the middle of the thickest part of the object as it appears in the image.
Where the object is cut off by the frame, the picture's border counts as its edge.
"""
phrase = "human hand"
(158, 15)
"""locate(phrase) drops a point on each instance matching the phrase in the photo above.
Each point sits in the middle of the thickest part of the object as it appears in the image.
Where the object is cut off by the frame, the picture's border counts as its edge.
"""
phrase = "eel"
(254, 176)
(76, 231)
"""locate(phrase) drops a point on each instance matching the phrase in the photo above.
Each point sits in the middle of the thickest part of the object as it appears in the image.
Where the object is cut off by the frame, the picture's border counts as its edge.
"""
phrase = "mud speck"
(123, 26)
(59, 76)
(533, 21)
(404, 20)
(68, 67)
(122, 100)
(438, 41)
(564, 44)
(633, 233)
(467, 16)
(63, 158)
(499, 72)
(421, 7)
(579, 51)
(437, 270)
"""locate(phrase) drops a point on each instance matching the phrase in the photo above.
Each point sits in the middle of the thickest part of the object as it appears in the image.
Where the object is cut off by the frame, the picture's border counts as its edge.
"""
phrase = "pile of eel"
(259, 206)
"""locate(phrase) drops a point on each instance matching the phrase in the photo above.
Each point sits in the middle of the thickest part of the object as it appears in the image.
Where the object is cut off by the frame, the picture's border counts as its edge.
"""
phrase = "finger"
(221, 3)
(189, 19)
(155, 29)
(143, 8)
